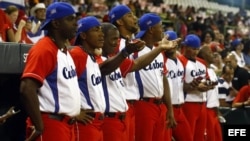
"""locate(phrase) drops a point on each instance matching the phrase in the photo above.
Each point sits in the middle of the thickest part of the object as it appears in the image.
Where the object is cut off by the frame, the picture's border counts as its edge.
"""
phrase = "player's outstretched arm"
(146, 59)
(114, 62)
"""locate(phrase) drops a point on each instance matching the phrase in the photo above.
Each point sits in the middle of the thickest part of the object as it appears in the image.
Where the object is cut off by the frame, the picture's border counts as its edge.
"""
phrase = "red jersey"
(5, 25)
(243, 94)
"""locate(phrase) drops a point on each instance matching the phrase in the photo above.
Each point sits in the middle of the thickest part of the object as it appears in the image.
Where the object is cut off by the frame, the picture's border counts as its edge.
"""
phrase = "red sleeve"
(126, 66)
(80, 59)
(99, 59)
(183, 60)
(243, 94)
(201, 60)
(41, 61)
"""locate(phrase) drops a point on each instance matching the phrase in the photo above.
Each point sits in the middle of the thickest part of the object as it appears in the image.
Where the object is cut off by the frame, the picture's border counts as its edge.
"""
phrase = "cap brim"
(45, 24)
(140, 34)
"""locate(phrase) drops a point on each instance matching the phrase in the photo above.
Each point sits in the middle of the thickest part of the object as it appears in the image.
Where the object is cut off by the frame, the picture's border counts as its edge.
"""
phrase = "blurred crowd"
(25, 21)
(182, 19)
(216, 29)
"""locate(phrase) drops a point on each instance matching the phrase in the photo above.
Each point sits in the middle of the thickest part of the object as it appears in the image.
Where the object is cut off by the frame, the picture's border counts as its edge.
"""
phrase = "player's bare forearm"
(111, 64)
(195, 86)
(29, 98)
(145, 59)
(168, 102)
(187, 87)
(166, 95)
(114, 62)
(191, 86)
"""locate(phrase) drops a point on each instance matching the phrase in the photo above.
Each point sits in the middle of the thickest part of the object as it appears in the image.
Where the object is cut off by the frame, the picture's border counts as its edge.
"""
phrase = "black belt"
(62, 118)
(96, 115)
(177, 105)
(153, 100)
(131, 101)
(200, 103)
(117, 115)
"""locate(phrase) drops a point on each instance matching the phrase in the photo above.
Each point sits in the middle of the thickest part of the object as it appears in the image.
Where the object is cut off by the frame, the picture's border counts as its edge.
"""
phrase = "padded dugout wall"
(12, 57)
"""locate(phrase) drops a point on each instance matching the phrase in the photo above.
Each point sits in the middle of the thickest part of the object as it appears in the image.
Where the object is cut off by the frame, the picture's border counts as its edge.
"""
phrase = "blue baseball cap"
(171, 35)
(192, 40)
(84, 24)
(57, 10)
(146, 21)
(235, 43)
(118, 12)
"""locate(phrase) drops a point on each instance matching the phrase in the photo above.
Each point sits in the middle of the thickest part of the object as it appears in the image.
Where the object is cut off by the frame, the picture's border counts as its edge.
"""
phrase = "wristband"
(124, 53)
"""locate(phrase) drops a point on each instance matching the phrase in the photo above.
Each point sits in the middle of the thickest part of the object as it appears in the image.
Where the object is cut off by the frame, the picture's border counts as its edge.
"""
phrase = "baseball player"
(90, 69)
(155, 102)
(114, 126)
(49, 87)
(126, 22)
(175, 78)
(195, 70)
(213, 127)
